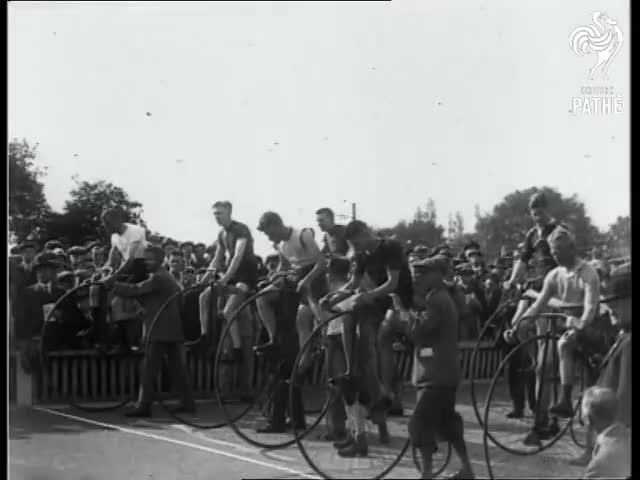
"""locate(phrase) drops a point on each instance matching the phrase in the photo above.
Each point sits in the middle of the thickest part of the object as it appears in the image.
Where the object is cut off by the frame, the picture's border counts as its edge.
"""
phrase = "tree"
(28, 206)
(455, 231)
(422, 229)
(81, 216)
(618, 238)
(507, 224)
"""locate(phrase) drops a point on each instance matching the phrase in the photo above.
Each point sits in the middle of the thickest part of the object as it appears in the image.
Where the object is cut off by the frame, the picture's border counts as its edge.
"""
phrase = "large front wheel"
(322, 457)
(274, 381)
(509, 434)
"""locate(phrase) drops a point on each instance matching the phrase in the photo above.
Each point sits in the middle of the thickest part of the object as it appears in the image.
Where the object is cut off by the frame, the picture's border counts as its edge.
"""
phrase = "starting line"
(178, 442)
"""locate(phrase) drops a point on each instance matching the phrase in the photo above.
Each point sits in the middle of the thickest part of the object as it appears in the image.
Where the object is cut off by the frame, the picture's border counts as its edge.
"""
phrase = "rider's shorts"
(319, 286)
(247, 274)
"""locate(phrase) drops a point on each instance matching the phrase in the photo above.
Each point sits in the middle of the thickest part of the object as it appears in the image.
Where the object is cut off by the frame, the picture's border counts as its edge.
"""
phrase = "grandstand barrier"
(87, 376)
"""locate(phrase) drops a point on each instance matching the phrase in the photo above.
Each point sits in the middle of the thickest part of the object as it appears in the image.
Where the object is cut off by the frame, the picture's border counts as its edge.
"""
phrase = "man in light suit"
(611, 456)
(165, 338)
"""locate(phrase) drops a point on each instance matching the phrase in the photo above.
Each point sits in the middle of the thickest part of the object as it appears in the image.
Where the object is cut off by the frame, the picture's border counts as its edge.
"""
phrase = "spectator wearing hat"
(61, 260)
(28, 251)
(477, 264)
(176, 266)
(187, 252)
(43, 293)
(199, 260)
(492, 292)
(433, 328)
(79, 258)
(188, 277)
(471, 245)
(421, 252)
(169, 246)
(14, 256)
(471, 316)
(615, 369)
(68, 320)
(98, 257)
(51, 245)
(22, 274)
(189, 311)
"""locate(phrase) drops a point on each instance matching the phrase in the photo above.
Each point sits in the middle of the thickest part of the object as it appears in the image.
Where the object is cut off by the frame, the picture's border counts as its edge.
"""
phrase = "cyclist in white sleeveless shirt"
(299, 252)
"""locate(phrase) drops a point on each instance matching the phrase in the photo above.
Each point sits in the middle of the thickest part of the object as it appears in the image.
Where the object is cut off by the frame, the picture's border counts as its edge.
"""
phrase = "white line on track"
(178, 442)
(242, 448)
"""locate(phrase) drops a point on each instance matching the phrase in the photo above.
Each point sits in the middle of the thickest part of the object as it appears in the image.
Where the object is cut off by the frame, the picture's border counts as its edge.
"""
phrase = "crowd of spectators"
(39, 276)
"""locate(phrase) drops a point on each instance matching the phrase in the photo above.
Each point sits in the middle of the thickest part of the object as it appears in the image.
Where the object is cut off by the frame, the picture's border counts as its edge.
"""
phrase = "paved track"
(57, 442)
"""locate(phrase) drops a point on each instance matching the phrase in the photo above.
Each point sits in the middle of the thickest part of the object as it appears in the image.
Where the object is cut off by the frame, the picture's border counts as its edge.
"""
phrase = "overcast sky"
(293, 106)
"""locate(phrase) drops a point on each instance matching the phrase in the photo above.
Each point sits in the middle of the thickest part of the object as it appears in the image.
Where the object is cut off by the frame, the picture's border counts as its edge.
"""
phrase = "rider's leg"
(246, 367)
(387, 334)
(204, 302)
(267, 313)
(304, 327)
(515, 380)
(358, 446)
(368, 325)
(520, 310)
(369, 320)
(335, 366)
(546, 369)
(230, 308)
(566, 354)
(349, 323)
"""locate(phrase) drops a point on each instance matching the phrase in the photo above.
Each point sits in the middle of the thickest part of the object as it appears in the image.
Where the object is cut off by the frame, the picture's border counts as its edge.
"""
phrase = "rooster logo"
(604, 38)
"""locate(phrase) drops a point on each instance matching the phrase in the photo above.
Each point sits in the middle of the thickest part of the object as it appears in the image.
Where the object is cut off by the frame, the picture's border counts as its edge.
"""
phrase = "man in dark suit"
(22, 274)
(43, 293)
(611, 457)
(615, 371)
(165, 338)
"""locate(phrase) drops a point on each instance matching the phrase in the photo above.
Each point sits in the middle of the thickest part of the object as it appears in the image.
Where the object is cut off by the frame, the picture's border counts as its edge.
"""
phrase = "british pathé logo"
(602, 39)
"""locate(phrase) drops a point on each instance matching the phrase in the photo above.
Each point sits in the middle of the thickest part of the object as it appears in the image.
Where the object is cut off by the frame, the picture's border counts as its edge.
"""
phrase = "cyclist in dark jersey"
(536, 257)
(236, 244)
(381, 268)
(536, 253)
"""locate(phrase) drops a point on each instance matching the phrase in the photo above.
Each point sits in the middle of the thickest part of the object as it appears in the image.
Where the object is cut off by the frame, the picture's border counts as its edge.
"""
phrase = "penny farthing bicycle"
(537, 348)
(382, 458)
(276, 378)
(80, 377)
(491, 334)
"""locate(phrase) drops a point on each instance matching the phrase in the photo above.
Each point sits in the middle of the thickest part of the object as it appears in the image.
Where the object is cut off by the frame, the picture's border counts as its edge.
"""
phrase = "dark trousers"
(435, 418)
(519, 380)
(178, 374)
(366, 377)
(288, 352)
(336, 365)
